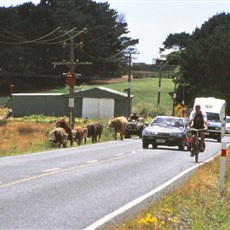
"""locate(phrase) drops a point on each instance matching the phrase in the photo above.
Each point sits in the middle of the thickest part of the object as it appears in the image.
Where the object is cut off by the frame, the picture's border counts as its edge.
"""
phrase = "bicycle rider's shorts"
(194, 132)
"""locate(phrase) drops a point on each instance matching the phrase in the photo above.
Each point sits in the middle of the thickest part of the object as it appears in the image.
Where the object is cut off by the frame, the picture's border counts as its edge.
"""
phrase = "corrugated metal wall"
(100, 102)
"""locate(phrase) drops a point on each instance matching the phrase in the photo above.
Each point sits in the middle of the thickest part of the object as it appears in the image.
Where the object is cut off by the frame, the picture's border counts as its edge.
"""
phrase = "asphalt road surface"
(85, 187)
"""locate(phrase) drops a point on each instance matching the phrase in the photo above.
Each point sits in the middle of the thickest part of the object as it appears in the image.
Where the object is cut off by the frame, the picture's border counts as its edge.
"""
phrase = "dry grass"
(23, 137)
(29, 134)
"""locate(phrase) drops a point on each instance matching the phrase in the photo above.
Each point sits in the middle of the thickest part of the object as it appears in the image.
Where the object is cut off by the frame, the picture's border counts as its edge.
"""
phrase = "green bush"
(149, 110)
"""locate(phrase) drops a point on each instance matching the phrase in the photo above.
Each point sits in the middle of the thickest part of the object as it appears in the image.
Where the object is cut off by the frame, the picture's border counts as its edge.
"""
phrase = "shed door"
(98, 108)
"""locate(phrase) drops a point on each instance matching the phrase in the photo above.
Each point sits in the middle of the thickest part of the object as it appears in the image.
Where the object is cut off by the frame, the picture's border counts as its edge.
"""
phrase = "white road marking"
(92, 161)
(120, 154)
(51, 170)
(54, 171)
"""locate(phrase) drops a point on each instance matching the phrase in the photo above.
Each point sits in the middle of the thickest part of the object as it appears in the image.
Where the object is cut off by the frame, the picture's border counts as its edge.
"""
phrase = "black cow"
(94, 131)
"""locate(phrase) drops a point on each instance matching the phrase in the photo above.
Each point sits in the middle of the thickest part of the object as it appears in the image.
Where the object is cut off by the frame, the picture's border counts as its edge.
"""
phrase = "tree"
(205, 59)
(179, 41)
(32, 41)
(174, 58)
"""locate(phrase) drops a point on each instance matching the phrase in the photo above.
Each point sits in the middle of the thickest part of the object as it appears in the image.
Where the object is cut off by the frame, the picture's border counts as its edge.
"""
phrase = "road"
(74, 188)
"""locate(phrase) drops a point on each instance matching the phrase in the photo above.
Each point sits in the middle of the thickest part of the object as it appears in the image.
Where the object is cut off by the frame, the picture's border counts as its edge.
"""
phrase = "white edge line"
(140, 199)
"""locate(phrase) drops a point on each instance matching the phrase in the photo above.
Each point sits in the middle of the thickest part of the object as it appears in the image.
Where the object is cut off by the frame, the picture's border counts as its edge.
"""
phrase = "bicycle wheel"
(197, 150)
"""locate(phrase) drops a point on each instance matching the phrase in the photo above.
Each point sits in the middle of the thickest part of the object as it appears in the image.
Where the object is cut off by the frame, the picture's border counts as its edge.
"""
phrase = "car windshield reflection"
(168, 122)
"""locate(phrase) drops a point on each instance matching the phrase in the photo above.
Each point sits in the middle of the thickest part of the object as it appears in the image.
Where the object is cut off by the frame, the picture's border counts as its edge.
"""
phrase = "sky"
(151, 21)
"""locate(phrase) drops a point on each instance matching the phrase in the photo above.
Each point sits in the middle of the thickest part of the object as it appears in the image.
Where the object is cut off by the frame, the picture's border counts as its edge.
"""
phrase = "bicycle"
(197, 143)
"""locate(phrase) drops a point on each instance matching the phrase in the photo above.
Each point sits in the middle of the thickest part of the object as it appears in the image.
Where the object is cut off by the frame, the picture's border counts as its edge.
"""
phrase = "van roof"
(210, 104)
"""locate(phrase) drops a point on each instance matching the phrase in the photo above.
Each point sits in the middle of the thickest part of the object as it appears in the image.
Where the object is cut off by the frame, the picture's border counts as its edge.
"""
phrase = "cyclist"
(198, 120)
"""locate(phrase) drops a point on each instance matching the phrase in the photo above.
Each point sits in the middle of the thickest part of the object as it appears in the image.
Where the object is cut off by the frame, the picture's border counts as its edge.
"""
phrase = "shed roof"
(38, 94)
(93, 92)
(101, 92)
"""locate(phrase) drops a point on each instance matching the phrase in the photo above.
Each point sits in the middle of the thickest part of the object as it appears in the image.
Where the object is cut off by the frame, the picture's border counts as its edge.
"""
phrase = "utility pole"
(11, 95)
(129, 83)
(159, 83)
(71, 77)
(174, 96)
(159, 88)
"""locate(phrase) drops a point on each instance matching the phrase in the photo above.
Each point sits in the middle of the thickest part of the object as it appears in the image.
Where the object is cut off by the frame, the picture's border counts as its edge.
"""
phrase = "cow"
(119, 125)
(58, 136)
(79, 133)
(94, 131)
(63, 124)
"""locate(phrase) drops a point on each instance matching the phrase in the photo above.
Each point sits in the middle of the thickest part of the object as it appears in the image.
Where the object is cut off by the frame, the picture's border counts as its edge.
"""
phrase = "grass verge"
(196, 204)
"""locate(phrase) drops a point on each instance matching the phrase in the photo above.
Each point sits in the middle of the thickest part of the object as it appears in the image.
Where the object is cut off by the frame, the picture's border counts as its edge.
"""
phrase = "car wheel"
(140, 133)
(145, 146)
(219, 138)
(154, 146)
(182, 146)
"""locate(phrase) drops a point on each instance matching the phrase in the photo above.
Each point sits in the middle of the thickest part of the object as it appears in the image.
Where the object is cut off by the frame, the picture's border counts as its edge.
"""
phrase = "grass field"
(145, 92)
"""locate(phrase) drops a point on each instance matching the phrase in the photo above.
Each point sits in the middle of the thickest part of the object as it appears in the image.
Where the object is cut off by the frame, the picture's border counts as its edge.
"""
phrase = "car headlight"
(176, 134)
(149, 132)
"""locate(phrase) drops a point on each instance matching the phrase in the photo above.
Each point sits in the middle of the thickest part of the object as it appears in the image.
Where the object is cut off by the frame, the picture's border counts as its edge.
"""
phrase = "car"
(227, 124)
(167, 131)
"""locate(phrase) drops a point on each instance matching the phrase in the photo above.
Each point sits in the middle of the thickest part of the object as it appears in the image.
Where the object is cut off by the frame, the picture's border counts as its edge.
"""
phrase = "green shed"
(99, 102)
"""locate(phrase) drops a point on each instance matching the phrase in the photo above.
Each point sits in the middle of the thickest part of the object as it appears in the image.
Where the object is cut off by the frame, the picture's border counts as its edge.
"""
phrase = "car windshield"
(169, 122)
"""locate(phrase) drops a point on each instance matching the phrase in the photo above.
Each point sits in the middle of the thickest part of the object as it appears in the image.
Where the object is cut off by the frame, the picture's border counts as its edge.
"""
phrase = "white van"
(215, 109)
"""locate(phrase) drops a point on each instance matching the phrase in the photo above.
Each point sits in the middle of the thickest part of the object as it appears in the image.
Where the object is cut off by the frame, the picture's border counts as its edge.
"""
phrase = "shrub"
(3, 122)
(148, 110)
(23, 130)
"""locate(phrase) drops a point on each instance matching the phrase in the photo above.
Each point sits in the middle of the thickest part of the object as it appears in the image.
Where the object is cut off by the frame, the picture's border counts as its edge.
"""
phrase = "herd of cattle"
(61, 134)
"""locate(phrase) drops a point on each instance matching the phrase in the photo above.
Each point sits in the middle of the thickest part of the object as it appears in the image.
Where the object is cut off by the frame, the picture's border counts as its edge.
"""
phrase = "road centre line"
(120, 154)
(50, 170)
(56, 171)
(92, 161)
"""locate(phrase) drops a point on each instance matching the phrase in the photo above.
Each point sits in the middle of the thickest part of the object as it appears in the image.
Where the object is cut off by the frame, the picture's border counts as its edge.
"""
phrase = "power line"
(41, 40)
(21, 42)
(62, 41)
(103, 59)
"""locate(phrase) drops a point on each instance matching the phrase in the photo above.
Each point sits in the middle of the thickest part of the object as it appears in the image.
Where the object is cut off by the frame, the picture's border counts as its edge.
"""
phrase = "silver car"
(227, 124)
(166, 130)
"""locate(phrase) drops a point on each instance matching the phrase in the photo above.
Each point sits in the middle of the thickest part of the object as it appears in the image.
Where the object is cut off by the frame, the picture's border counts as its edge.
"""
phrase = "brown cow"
(94, 131)
(79, 133)
(58, 136)
(63, 124)
(119, 125)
